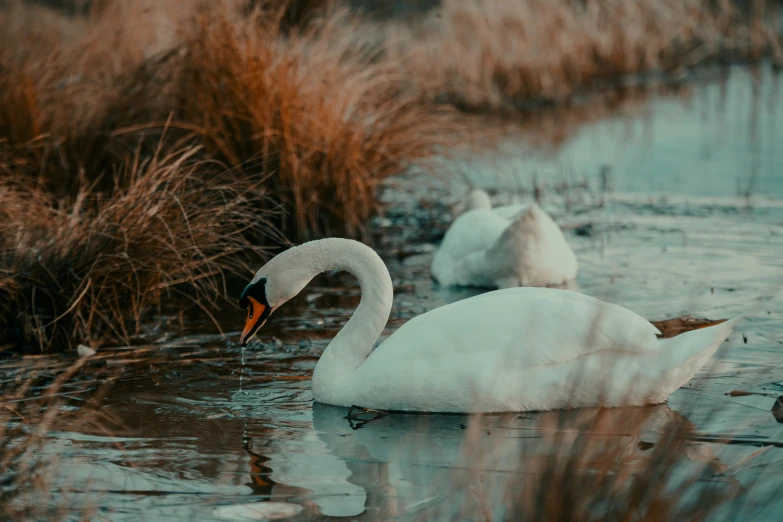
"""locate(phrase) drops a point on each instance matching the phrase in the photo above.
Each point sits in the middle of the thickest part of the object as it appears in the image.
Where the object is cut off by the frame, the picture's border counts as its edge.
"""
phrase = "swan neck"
(353, 343)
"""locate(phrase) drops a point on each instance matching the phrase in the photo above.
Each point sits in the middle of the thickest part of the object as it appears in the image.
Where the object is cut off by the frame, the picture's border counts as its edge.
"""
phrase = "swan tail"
(689, 352)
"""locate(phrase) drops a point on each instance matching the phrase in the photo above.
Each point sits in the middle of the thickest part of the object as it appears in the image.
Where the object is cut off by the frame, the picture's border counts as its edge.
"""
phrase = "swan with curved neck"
(517, 349)
(503, 247)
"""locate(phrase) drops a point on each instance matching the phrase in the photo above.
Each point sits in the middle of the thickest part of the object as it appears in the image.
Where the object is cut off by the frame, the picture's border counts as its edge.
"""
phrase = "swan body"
(516, 349)
(503, 247)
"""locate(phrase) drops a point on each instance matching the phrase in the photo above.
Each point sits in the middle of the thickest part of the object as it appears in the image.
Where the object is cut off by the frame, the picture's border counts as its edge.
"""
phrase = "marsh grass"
(296, 90)
(113, 130)
(503, 55)
(596, 464)
(88, 269)
(318, 109)
(67, 83)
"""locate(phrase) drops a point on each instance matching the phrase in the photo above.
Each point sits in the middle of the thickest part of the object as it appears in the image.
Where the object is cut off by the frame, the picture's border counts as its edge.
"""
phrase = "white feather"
(503, 247)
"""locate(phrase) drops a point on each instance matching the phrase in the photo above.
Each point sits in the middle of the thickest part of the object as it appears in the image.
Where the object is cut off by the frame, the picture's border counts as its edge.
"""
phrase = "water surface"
(196, 428)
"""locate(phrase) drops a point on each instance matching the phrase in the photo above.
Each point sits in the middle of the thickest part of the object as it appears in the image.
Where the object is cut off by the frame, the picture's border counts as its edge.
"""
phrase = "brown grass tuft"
(67, 83)
(111, 127)
(616, 464)
(291, 14)
(297, 90)
(83, 269)
(319, 109)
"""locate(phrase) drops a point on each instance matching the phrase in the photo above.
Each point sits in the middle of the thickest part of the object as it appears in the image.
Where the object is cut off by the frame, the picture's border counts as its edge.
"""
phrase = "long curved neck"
(353, 343)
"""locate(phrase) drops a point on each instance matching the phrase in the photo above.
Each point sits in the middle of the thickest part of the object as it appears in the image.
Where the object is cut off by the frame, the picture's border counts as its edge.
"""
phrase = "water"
(718, 138)
(195, 428)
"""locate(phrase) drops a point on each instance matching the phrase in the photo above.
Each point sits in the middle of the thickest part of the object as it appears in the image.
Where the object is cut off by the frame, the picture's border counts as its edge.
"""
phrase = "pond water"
(196, 428)
(718, 137)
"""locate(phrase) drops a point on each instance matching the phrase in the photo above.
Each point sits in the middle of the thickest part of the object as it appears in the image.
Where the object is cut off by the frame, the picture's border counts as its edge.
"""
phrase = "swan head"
(478, 199)
(273, 285)
(254, 299)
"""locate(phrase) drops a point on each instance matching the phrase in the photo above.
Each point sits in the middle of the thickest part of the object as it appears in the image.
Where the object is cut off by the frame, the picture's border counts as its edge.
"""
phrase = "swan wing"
(534, 249)
(509, 350)
(474, 231)
(522, 326)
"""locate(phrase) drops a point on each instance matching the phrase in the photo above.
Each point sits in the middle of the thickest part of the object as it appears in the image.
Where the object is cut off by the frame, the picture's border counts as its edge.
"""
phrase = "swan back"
(533, 250)
(526, 349)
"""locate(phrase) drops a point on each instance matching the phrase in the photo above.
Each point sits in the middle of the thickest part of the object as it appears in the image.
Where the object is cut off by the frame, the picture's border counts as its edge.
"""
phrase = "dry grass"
(620, 464)
(511, 54)
(294, 89)
(291, 14)
(318, 108)
(301, 94)
(83, 269)
(110, 127)
(67, 84)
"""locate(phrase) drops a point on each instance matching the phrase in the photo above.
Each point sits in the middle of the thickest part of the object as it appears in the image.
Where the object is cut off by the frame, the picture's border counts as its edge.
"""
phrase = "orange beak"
(254, 314)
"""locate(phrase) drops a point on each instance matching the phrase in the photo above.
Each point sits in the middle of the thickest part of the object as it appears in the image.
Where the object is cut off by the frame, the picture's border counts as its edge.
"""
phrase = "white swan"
(509, 350)
(503, 247)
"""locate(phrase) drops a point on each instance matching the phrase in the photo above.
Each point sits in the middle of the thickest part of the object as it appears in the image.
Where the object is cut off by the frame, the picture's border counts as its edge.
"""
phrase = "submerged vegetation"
(148, 149)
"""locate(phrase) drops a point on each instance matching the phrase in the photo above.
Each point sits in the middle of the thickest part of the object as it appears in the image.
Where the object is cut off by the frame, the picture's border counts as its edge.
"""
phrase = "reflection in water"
(260, 475)
(410, 463)
(719, 141)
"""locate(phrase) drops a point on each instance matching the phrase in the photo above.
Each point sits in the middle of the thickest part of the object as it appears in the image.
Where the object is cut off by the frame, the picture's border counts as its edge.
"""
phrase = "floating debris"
(777, 409)
(743, 393)
(586, 230)
(85, 351)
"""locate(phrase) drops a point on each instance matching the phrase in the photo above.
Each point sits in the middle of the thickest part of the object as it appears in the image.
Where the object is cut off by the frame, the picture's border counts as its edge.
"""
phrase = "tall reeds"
(83, 269)
(319, 109)
(504, 55)
(140, 164)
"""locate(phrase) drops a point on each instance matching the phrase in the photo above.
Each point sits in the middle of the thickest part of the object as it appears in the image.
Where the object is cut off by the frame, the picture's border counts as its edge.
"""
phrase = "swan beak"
(256, 317)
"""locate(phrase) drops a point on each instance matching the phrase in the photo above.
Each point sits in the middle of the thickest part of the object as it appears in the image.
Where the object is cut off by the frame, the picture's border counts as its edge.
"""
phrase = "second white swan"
(517, 349)
(503, 247)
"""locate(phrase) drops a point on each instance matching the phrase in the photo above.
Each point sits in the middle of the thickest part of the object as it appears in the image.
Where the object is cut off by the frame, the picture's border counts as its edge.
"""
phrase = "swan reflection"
(403, 464)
